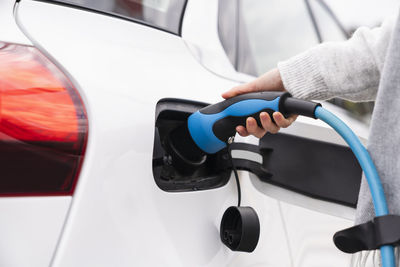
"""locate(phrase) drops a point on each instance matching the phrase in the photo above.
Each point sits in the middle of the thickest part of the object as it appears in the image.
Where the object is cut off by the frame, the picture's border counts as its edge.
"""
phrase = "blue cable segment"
(201, 125)
(363, 157)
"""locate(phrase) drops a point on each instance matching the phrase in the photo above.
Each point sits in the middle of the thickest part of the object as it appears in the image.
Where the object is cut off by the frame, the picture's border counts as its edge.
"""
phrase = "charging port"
(170, 172)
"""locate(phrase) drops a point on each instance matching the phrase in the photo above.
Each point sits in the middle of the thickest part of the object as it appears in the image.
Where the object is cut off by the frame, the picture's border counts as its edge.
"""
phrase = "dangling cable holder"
(380, 231)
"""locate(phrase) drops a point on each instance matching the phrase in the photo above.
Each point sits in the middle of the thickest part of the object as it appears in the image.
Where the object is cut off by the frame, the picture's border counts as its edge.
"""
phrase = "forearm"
(349, 69)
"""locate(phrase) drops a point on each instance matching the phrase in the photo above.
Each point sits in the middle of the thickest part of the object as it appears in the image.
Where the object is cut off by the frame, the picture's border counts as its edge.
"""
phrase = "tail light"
(43, 125)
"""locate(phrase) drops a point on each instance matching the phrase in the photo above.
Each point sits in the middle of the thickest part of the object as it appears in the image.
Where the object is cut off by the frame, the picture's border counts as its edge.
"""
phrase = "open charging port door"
(313, 168)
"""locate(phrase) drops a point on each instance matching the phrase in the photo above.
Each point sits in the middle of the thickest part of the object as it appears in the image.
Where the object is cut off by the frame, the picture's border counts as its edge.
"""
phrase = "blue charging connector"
(368, 166)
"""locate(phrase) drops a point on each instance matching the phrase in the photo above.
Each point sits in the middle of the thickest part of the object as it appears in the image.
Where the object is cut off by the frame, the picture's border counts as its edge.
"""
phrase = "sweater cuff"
(301, 77)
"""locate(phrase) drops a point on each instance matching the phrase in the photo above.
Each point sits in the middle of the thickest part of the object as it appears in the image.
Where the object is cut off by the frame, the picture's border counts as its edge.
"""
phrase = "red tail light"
(43, 125)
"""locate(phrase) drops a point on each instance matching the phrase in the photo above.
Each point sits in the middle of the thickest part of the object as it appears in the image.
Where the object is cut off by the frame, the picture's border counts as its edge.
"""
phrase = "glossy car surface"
(117, 215)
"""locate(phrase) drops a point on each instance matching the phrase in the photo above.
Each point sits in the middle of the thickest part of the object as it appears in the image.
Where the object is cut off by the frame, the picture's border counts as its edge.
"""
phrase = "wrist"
(271, 81)
(278, 80)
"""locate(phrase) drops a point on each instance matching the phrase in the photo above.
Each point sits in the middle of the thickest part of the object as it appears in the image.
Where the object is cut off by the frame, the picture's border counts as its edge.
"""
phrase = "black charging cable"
(235, 173)
(240, 226)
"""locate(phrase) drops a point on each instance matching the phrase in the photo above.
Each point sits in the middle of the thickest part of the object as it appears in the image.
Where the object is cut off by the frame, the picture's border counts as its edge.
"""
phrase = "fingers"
(270, 81)
(267, 124)
(242, 131)
(241, 89)
(283, 122)
(252, 128)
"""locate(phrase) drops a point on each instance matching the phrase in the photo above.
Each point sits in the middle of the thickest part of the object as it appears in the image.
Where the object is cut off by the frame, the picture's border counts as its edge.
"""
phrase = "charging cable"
(371, 174)
(236, 175)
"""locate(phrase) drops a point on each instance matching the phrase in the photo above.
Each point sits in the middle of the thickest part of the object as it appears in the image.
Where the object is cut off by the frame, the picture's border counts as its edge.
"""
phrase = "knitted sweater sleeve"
(349, 70)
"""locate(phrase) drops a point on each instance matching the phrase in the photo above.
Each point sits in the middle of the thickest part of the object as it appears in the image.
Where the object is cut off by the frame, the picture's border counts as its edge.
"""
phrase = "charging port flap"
(310, 167)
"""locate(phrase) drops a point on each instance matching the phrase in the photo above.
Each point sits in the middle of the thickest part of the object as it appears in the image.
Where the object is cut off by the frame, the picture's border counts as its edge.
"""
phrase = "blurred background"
(257, 34)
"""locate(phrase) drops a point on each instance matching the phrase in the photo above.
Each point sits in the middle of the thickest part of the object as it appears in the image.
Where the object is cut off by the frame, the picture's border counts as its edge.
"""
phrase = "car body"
(116, 215)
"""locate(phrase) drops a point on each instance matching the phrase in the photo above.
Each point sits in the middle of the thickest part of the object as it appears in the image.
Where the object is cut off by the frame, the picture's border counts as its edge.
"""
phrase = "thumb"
(240, 89)
(270, 81)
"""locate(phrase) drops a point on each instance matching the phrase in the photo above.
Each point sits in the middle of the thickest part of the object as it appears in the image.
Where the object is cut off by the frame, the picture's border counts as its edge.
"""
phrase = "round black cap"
(240, 229)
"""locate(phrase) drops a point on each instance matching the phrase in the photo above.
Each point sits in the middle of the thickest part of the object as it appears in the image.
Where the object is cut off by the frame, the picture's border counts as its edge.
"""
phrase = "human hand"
(270, 81)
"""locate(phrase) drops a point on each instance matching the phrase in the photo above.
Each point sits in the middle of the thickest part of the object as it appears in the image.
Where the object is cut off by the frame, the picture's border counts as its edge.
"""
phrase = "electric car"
(88, 91)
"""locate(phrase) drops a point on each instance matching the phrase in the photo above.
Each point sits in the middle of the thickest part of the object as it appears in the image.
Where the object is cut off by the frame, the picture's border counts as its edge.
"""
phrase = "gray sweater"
(360, 69)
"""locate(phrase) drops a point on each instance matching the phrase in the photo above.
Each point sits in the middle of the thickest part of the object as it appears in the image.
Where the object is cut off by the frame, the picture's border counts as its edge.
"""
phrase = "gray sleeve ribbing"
(350, 69)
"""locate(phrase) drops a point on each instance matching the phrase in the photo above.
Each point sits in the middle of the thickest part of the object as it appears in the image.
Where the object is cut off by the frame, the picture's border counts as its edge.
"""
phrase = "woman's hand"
(270, 81)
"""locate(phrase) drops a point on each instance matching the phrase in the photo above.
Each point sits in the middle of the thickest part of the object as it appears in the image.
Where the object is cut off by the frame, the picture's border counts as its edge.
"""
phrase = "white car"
(81, 83)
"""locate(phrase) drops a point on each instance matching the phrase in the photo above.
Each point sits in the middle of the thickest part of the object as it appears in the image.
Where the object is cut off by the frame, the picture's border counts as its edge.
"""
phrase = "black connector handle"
(299, 107)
